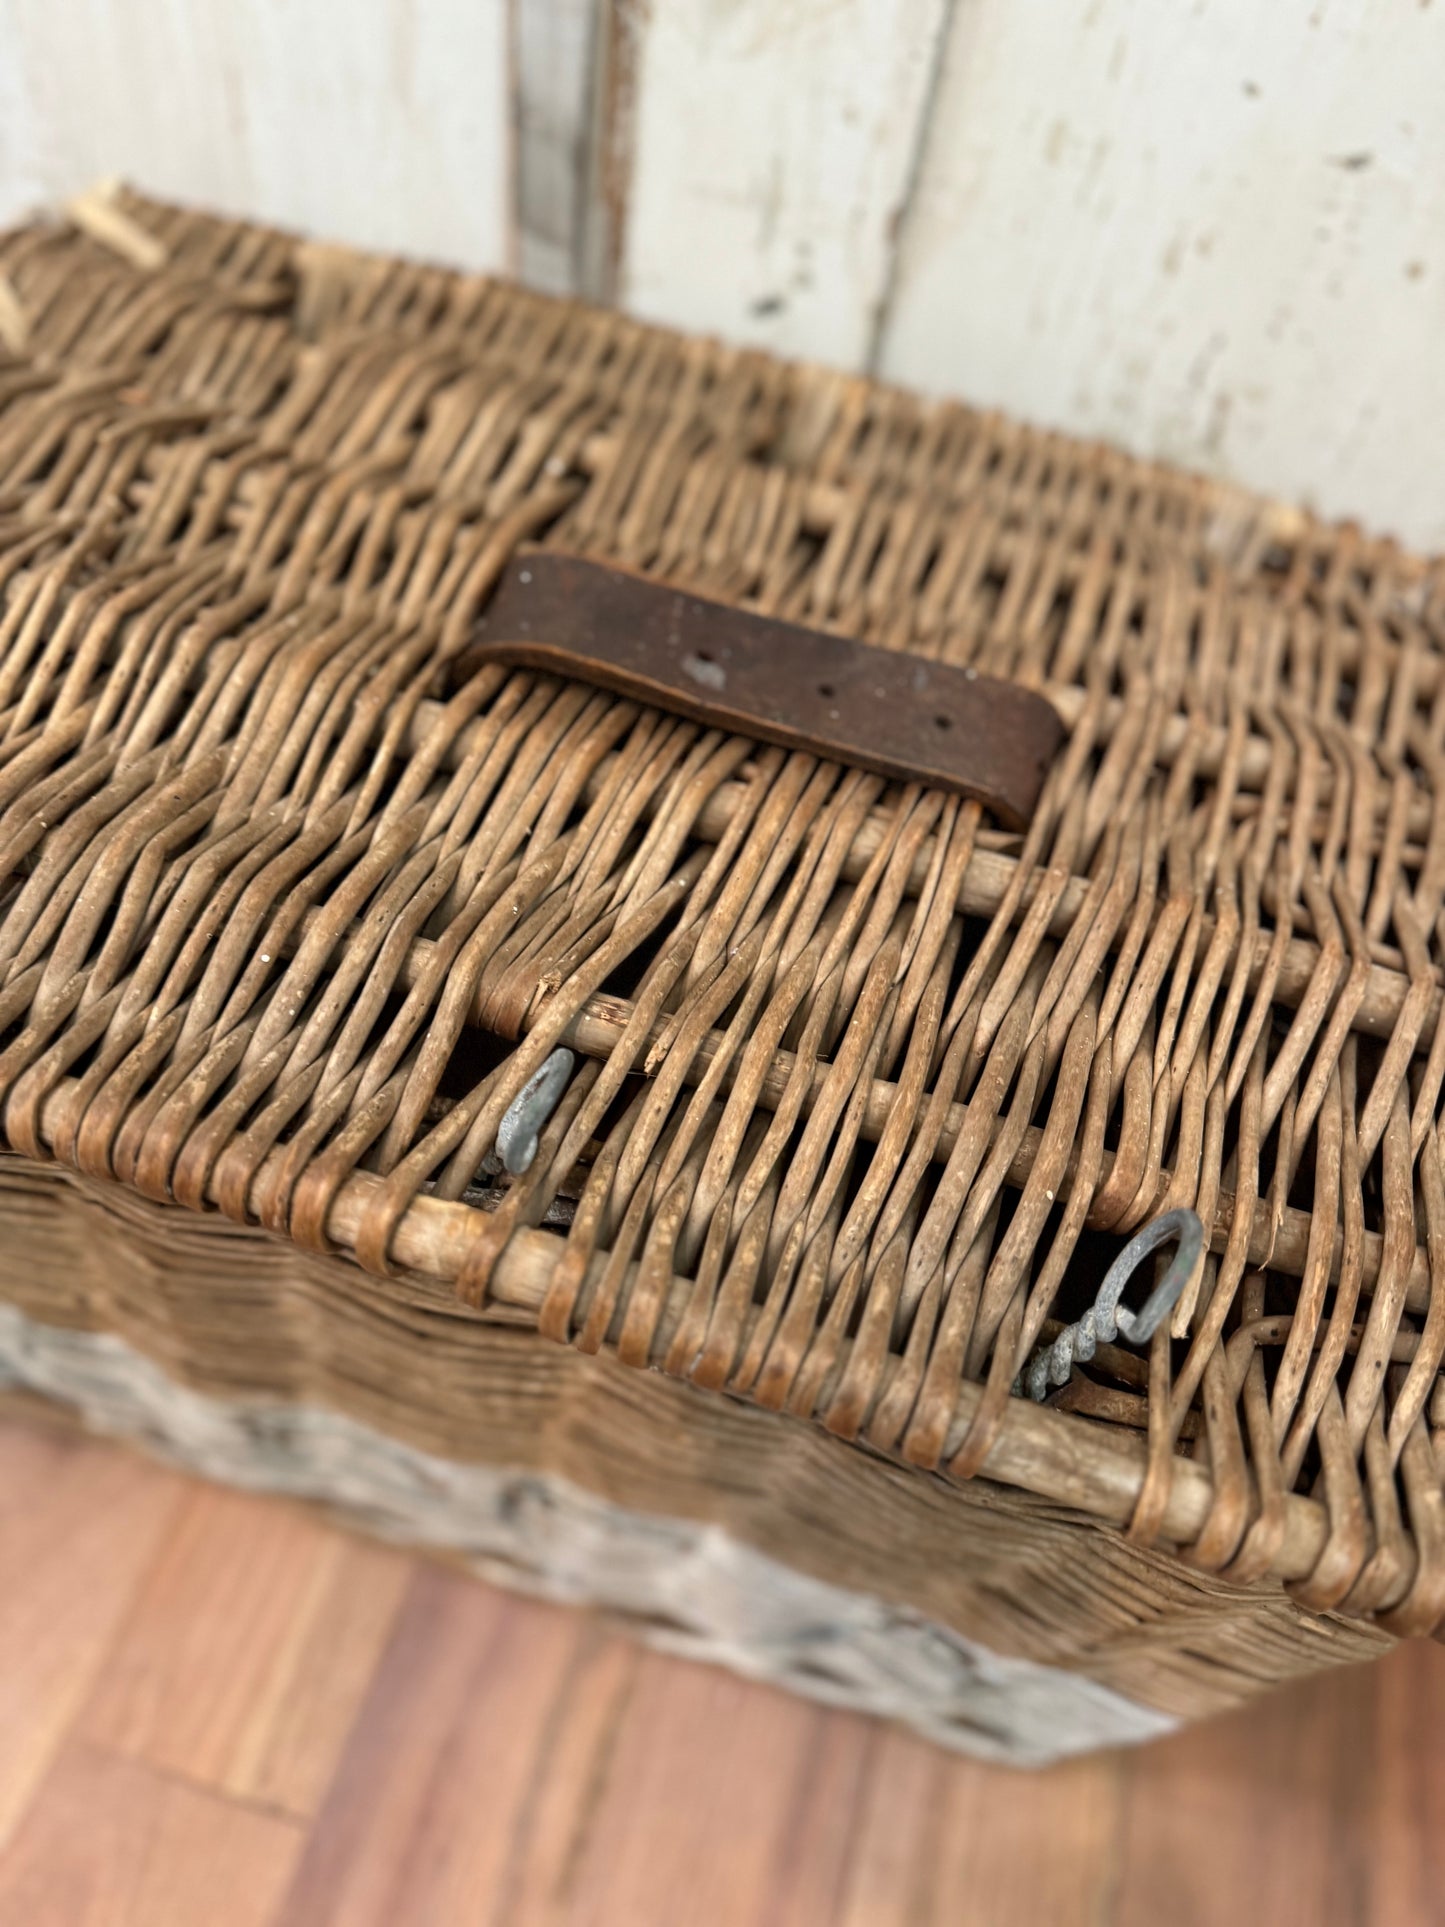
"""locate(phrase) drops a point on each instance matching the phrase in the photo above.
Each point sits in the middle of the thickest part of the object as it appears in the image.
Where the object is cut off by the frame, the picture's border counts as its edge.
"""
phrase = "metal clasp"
(1106, 1318)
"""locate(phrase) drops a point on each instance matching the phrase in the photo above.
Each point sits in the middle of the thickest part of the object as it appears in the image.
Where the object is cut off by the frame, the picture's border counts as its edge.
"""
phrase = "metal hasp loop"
(526, 1116)
(1106, 1319)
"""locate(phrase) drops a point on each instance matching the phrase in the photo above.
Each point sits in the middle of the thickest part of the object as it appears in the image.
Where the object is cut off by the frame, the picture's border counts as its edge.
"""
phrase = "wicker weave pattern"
(864, 1076)
(239, 1320)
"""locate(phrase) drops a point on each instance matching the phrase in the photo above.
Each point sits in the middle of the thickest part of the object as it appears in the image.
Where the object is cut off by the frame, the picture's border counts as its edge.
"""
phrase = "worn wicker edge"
(1059, 1456)
(239, 1312)
(686, 1586)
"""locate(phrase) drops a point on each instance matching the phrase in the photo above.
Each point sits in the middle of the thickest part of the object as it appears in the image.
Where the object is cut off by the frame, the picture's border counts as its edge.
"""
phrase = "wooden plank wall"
(1213, 233)
(1210, 233)
(378, 122)
(775, 145)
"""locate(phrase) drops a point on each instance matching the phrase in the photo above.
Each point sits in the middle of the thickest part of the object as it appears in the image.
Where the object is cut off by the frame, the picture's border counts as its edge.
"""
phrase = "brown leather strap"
(900, 715)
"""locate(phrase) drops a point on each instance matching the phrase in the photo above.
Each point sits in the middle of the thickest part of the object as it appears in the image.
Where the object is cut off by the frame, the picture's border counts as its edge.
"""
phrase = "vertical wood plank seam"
(512, 237)
(898, 220)
(556, 84)
(587, 159)
(612, 149)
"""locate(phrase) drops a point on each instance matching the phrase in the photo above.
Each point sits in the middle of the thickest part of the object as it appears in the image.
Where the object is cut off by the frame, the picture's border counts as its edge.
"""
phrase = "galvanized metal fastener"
(526, 1116)
(1106, 1319)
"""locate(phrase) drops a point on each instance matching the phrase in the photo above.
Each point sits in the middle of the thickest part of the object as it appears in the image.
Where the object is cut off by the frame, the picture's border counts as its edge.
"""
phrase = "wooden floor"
(219, 1711)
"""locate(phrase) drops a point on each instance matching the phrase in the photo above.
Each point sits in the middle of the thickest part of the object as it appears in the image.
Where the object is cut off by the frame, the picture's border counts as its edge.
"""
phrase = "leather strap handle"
(900, 715)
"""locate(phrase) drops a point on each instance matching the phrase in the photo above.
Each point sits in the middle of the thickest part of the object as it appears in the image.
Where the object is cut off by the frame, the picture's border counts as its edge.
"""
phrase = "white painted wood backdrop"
(1210, 230)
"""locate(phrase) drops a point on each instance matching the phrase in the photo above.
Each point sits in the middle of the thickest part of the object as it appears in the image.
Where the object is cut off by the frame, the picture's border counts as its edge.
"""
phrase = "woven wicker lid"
(866, 1090)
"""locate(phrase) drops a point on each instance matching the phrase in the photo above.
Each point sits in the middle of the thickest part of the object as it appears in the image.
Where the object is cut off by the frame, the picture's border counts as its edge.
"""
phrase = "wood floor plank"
(186, 1674)
(1399, 1861)
(568, 1776)
(1026, 1846)
(890, 1869)
(943, 1839)
(110, 1842)
(249, 1649)
(938, 1839)
(725, 1802)
(79, 1524)
(423, 1815)
(811, 1877)
(1266, 1814)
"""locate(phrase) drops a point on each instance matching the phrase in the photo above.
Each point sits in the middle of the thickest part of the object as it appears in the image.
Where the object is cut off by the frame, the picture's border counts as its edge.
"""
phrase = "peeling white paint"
(773, 147)
(1214, 234)
(381, 123)
(554, 88)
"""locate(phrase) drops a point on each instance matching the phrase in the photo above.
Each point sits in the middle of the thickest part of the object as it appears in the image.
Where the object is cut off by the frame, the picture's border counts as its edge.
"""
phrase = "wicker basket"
(869, 1090)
